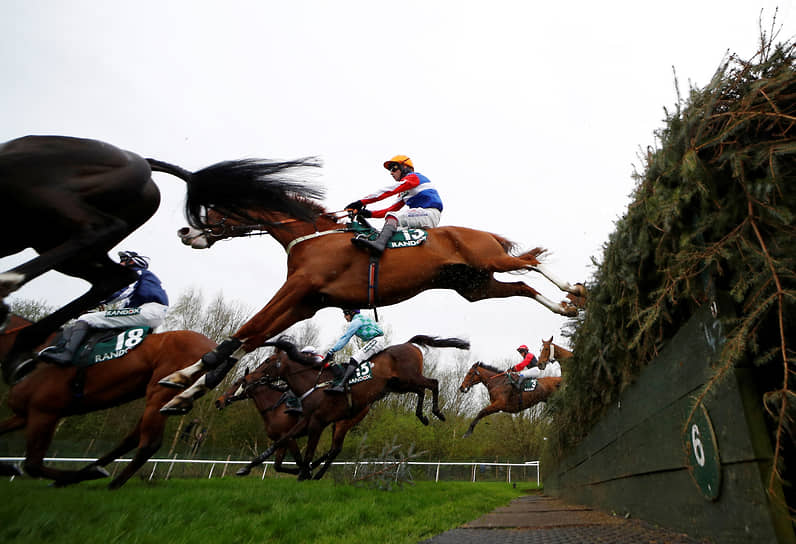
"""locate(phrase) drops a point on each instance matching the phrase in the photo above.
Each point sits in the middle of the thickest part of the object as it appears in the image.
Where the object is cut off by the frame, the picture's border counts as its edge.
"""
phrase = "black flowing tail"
(436, 342)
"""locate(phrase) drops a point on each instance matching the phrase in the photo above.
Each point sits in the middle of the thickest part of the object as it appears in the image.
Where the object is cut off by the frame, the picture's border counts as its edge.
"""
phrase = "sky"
(529, 118)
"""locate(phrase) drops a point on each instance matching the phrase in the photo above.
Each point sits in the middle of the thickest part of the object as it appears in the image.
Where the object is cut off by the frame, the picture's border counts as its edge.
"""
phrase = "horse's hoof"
(175, 381)
(243, 471)
(177, 407)
(10, 282)
(423, 420)
(440, 416)
(568, 310)
(7, 469)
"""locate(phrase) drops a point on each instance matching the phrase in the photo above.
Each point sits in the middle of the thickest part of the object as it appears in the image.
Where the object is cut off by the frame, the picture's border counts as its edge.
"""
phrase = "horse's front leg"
(489, 410)
(284, 310)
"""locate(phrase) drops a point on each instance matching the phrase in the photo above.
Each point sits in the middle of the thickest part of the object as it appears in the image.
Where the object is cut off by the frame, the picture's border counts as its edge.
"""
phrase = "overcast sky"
(528, 117)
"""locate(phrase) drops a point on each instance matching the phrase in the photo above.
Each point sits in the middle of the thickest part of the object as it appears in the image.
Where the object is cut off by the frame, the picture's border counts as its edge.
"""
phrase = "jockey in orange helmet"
(414, 190)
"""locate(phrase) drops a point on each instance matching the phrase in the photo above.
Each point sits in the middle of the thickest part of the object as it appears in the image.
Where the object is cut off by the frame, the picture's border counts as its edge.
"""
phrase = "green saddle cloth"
(106, 345)
(364, 373)
(403, 237)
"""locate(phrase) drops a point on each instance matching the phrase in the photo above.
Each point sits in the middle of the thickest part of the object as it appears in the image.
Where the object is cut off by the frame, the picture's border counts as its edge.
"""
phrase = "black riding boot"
(340, 387)
(62, 354)
(292, 403)
(376, 247)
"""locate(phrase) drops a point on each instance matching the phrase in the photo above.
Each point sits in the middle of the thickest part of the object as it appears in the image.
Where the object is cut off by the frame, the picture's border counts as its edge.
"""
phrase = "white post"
(171, 466)
(211, 471)
(436, 478)
(154, 466)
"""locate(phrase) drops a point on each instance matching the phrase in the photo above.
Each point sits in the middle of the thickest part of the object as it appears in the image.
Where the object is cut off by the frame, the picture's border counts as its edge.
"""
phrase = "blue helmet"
(127, 257)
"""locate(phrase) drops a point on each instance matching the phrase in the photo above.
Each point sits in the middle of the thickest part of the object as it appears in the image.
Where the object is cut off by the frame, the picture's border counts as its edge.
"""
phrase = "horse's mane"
(292, 352)
(488, 367)
(253, 185)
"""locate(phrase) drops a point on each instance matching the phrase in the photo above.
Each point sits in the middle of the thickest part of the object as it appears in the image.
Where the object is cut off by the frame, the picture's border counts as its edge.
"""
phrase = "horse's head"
(237, 391)
(215, 226)
(472, 377)
(547, 351)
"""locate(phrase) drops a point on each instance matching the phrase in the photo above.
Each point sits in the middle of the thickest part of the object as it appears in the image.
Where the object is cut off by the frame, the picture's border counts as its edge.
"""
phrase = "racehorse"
(266, 395)
(324, 269)
(396, 369)
(503, 395)
(73, 199)
(552, 352)
(47, 395)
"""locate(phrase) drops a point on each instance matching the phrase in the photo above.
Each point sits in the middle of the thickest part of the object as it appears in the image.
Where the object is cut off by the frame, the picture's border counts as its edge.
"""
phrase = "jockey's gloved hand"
(364, 212)
(355, 205)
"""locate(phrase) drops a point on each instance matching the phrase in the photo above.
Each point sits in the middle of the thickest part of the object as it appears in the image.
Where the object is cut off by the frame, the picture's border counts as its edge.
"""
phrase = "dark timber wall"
(705, 476)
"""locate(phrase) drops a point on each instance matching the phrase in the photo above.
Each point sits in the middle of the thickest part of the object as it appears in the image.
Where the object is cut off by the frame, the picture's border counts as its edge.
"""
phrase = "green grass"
(241, 511)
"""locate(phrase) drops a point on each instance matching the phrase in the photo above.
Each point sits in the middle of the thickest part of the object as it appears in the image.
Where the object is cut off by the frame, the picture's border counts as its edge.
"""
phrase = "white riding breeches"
(371, 348)
(421, 218)
(552, 370)
(150, 314)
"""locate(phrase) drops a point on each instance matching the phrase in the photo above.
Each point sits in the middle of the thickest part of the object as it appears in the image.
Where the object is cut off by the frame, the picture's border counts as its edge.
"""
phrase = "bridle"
(484, 380)
(222, 230)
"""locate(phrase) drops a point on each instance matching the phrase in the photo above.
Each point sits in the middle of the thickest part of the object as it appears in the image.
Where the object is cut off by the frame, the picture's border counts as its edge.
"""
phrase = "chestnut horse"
(324, 269)
(552, 352)
(396, 369)
(45, 396)
(503, 395)
(266, 395)
(73, 199)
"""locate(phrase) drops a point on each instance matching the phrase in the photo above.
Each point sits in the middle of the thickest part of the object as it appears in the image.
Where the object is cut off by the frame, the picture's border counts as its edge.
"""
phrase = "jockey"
(145, 305)
(528, 367)
(292, 402)
(369, 332)
(415, 191)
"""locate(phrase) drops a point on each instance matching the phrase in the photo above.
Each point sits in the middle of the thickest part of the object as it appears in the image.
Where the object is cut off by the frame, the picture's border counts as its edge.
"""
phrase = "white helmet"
(309, 349)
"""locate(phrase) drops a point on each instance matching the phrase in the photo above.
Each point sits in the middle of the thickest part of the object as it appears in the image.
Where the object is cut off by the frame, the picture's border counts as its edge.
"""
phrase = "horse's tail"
(246, 184)
(436, 342)
(511, 248)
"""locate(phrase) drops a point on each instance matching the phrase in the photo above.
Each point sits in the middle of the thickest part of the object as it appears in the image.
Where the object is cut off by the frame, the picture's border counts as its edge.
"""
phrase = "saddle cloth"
(403, 237)
(105, 344)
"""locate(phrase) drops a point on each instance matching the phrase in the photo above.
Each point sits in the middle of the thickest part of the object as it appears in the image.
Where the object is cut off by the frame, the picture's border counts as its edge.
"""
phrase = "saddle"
(522, 384)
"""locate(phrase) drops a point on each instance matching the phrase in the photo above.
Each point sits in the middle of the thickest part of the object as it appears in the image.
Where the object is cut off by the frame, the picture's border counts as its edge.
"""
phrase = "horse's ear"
(246, 372)
(551, 339)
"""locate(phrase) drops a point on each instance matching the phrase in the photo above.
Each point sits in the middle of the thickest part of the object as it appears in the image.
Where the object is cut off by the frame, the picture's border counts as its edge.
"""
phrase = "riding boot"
(292, 403)
(376, 247)
(62, 354)
(342, 385)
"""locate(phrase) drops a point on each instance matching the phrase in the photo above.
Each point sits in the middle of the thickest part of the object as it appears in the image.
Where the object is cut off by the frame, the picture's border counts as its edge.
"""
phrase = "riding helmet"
(399, 159)
(138, 260)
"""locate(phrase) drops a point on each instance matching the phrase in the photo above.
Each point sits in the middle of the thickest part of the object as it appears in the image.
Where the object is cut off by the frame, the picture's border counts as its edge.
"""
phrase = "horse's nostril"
(183, 231)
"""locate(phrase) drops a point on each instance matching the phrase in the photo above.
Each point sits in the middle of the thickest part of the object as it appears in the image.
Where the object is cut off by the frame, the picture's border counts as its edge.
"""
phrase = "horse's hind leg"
(39, 434)
(577, 292)
(492, 288)
(13, 423)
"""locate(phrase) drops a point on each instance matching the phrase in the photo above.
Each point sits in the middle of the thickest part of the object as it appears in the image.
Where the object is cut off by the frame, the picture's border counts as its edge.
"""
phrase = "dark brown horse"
(324, 269)
(72, 200)
(397, 369)
(45, 396)
(503, 394)
(552, 352)
(266, 396)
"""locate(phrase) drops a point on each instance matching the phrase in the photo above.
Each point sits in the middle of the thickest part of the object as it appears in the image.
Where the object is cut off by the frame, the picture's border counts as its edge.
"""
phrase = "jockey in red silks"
(414, 190)
(528, 367)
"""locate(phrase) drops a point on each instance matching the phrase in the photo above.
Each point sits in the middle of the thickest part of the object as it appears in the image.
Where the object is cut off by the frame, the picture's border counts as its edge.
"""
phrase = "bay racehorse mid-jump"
(396, 369)
(503, 394)
(267, 397)
(72, 200)
(324, 269)
(49, 393)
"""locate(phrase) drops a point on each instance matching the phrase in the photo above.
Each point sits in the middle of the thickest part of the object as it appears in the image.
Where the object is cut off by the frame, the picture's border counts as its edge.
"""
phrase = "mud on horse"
(325, 270)
(73, 199)
(45, 396)
(503, 395)
(266, 395)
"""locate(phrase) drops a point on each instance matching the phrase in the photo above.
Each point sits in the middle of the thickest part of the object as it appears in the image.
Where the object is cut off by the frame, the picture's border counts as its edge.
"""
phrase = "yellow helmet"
(400, 159)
